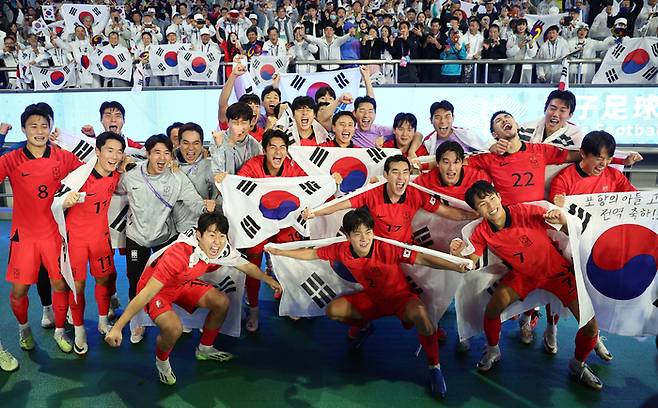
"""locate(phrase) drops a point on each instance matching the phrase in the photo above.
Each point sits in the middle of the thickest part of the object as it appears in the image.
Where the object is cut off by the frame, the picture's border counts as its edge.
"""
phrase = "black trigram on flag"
(318, 290)
(247, 187)
(579, 212)
(43, 71)
(45, 84)
(310, 187)
(255, 64)
(298, 82)
(249, 90)
(376, 154)
(423, 237)
(655, 303)
(63, 189)
(96, 11)
(226, 285)
(278, 63)
(66, 70)
(187, 72)
(121, 71)
(73, 11)
(650, 73)
(161, 67)
(413, 286)
(209, 73)
(616, 52)
(564, 140)
(119, 223)
(159, 52)
(256, 81)
(121, 57)
(301, 221)
(187, 56)
(211, 57)
(249, 226)
(83, 150)
(341, 80)
(654, 49)
(492, 288)
(318, 156)
(611, 75)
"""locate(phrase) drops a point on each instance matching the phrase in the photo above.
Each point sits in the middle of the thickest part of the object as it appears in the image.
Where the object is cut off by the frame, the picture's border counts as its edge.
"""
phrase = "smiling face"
(304, 118)
(556, 115)
(404, 134)
(112, 120)
(275, 154)
(442, 121)
(365, 116)
(593, 164)
(190, 145)
(211, 242)
(490, 208)
(239, 128)
(270, 101)
(344, 130)
(361, 239)
(505, 127)
(450, 168)
(109, 156)
(37, 130)
(158, 158)
(397, 178)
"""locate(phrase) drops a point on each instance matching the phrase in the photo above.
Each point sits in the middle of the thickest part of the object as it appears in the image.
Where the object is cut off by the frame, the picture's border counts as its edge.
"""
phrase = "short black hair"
(445, 105)
(272, 28)
(491, 121)
(239, 110)
(46, 108)
(565, 96)
(356, 218)
(173, 126)
(405, 23)
(340, 114)
(273, 133)
(105, 136)
(34, 110)
(479, 189)
(302, 102)
(395, 159)
(112, 105)
(365, 99)
(190, 127)
(323, 91)
(402, 118)
(159, 138)
(213, 218)
(250, 98)
(596, 140)
(269, 89)
(449, 146)
(252, 29)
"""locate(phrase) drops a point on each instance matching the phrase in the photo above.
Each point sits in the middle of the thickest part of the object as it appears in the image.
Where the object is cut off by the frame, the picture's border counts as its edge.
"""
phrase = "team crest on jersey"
(534, 163)
(56, 173)
(158, 304)
(525, 241)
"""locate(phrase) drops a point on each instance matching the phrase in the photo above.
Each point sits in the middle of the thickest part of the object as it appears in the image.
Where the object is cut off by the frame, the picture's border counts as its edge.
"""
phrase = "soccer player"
(554, 127)
(404, 131)
(303, 131)
(7, 361)
(229, 150)
(34, 173)
(394, 204)
(517, 234)
(376, 266)
(113, 117)
(173, 278)
(152, 190)
(89, 236)
(442, 115)
(343, 125)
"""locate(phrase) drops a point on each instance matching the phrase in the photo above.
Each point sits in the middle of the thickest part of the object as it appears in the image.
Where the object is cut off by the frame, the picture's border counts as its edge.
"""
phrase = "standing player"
(229, 150)
(34, 173)
(517, 234)
(442, 115)
(173, 278)
(404, 131)
(113, 117)
(250, 99)
(89, 236)
(376, 266)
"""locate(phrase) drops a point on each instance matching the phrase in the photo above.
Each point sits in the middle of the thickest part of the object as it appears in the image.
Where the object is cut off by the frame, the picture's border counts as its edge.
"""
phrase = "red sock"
(162, 355)
(19, 306)
(253, 287)
(492, 330)
(60, 307)
(584, 345)
(208, 336)
(77, 308)
(550, 317)
(112, 285)
(102, 295)
(431, 346)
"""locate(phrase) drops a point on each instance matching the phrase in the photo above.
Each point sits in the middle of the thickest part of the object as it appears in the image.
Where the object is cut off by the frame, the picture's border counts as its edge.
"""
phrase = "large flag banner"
(467, 8)
(309, 286)
(52, 79)
(260, 208)
(197, 66)
(226, 279)
(111, 62)
(74, 15)
(263, 68)
(356, 166)
(163, 58)
(58, 27)
(634, 61)
(614, 239)
(346, 80)
(539, 23)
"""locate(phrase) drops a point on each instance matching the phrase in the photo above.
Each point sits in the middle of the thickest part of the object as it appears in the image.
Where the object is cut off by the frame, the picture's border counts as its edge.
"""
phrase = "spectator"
(494, 47)
(629, 10)
(120, 26)
(234, 22)
(554, 48)
(329, 46)
(284, 22)
(588, 48)
(432, 45)
(230, 48)
(405, 48)
(9, 58)
(311, 22)
(302, 50)
(473, 40)
(454, 50)
(521, 46)
(254, 46)
(351, 49)
(600, 29)
(274, 46)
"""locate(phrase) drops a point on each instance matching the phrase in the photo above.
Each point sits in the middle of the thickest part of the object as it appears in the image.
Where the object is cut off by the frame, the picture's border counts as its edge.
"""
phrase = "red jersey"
(256, 133)
(393, 220)
(34, 181)
(256, 168)
(308, 142)
(392, 143)
(522, 243)
(172, 267)
(88, 220)
(573, 180)
(469, 175)
(519, 177)
(379, 272)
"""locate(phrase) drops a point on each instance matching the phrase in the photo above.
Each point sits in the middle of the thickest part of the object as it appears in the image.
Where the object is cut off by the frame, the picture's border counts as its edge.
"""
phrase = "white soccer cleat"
(581, 371)
(601, 350)
(7, 361)
(211, 353)
(165, 373)
(550, 339)
(136, 334)
(526, 335)
(80, 346)
(491, 356)
(48, 318)
(63, 341)
(104, 325)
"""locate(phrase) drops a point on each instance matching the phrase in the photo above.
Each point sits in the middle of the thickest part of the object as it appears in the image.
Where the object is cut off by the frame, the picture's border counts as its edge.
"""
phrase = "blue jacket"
(452, 54)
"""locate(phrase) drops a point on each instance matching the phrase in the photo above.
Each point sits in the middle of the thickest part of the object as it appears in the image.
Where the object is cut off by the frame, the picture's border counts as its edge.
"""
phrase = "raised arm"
(227, 89)
(438, 263)
(253, 271)
(456, 248)
(307, 214)
(303, 254)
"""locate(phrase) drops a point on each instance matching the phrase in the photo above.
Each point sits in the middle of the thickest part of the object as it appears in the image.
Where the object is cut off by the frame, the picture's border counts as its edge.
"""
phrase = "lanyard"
(154, 191)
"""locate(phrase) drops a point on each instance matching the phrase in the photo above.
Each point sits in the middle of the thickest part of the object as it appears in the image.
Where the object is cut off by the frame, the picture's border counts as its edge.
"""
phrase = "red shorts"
(26, 258)
(186, 296)
(562, 285)
(372, 309)
(98, 253)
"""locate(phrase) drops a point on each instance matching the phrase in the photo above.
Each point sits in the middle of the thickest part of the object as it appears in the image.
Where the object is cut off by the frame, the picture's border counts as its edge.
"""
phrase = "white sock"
(162, 364)
(525, 318)
(59, 332)
(79, 331)
(205, 348)
(48, 308)
(23, 327)
(103, 320)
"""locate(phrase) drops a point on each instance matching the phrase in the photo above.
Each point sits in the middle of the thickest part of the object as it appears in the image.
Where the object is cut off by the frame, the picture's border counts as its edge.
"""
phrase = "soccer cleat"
(441, 334)
(212, 353)
(601, 350)
(25, 339)
(490, 357)
(357, 336)
(7, 361)
(526, 332)
(114, 306)
(550, 339)
(63, 342)
(48, 318)
(581, 371)
(438, 386)
(80, 346)
(463, 346)
(103, 325)
(252, 320)
(165, 374)
(136, 334)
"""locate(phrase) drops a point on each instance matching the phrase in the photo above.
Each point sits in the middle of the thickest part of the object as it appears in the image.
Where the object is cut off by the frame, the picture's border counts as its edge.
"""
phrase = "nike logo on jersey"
(504, 164)
(135, 188)
(90, 194)
(25, 174)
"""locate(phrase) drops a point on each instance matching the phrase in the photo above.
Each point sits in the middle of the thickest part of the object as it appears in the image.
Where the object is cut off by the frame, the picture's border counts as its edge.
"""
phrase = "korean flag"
(52, 79)
(634, 61)
(196, 66)
(346, 80)
(75, 15)
(263, 68)
(164, 58)
(111, 62)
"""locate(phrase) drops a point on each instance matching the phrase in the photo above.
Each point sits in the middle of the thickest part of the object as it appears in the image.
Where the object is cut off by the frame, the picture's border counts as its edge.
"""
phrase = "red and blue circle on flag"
(109, 62)
(353, 172)
(83, 15)
(199, 64)
(313, 89)
(171, 58)
(635, 61)
(277, 204)
(267, 71)
(57, 77)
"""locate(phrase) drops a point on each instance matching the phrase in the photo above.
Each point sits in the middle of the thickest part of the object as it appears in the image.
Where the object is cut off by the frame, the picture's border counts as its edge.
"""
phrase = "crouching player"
(376, 266)
(173, 278)
(517, 235)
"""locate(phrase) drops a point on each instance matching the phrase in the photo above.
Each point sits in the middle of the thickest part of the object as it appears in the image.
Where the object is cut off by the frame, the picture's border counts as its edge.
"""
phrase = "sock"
(253, 287)
(102, 295)
(77, 308)
(208, 336)
(112, 285)
(23, 326)
(19, 306)
(550, 317)
(80, 335)
(59, 331)
(162, 355)
(60, 307)
(431, 346)
(492, 330)
(584, 345)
